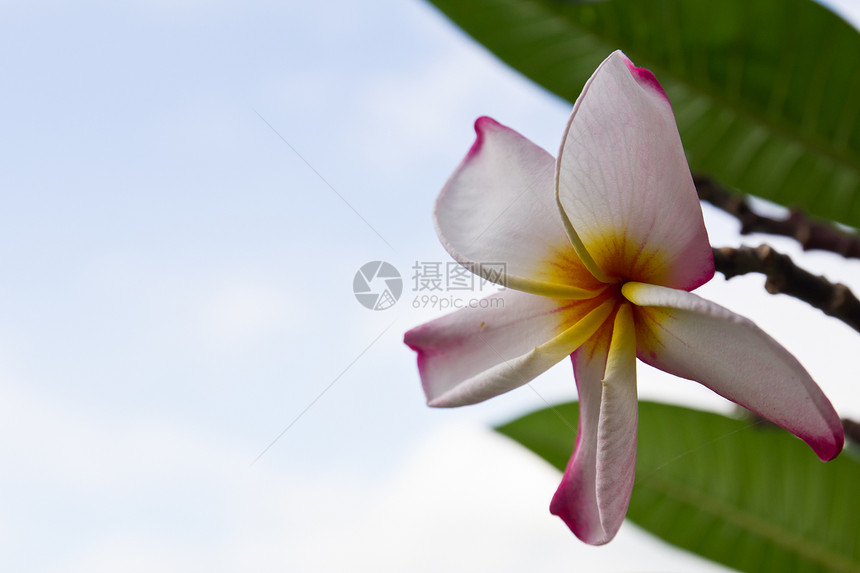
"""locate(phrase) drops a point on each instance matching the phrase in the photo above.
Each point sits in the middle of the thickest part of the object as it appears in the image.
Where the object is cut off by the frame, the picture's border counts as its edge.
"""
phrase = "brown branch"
(852, 430)
(784, 277)
(812, 235)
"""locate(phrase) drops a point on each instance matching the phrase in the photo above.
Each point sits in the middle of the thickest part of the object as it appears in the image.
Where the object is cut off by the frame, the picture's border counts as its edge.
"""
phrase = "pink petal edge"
(646, 78)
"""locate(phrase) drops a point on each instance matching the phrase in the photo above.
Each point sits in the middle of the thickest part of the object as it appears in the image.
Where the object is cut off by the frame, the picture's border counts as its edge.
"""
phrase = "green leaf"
(751, 497)
(765, 92)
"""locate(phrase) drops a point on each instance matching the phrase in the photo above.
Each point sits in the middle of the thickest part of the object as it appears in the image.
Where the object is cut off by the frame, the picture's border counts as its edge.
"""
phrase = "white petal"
(624, 186)
(595, 490)
(499, 208)
(477, 353)
(690, 337)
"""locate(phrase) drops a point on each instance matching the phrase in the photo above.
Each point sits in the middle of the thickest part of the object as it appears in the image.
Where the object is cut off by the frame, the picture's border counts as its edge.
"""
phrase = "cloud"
(473, 501)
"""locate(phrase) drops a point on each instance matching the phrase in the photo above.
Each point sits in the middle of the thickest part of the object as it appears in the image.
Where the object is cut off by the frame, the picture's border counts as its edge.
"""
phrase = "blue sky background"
(177, 291)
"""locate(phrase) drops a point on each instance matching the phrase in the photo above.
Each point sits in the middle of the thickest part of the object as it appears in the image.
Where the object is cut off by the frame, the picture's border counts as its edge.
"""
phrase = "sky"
(187, 382)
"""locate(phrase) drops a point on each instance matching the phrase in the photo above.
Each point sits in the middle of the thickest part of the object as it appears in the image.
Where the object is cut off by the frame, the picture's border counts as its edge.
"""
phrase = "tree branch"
(852, 430)
(784, 277)
(812, 235)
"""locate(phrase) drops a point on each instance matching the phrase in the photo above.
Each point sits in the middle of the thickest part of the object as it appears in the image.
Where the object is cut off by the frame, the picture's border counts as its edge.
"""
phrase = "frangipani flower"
(601, 247)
